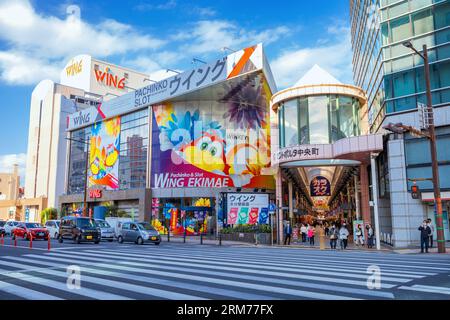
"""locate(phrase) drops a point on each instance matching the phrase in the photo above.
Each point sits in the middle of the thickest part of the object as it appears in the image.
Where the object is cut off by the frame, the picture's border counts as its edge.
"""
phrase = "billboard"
(214, 144)
(247, 208)
(104, 150)
(320, 187)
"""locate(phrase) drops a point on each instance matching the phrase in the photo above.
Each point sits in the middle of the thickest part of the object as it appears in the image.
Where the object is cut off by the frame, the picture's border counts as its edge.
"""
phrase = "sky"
(38, 37)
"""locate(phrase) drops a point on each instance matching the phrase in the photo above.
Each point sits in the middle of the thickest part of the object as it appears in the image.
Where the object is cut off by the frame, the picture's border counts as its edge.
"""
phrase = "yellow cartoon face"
(205, 154)
(111, 156)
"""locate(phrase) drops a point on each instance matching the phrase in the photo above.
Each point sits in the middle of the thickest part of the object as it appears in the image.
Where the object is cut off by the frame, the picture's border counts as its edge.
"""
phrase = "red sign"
(109, 79)
(95, 193)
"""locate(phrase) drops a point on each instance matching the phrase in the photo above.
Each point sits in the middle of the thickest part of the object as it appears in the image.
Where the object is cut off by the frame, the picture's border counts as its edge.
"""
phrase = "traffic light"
(415, 191)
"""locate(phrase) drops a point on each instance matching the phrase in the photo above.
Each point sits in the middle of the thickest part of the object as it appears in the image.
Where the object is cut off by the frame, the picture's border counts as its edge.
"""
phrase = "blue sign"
(27, 214)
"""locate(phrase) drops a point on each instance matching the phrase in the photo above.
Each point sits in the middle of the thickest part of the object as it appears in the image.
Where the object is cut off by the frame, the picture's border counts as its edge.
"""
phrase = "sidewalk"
(417, 251)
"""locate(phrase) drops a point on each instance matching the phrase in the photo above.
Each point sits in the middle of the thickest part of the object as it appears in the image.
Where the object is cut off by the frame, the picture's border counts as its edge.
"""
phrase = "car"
(79, 229)
(2, 228)
(107, 232)
(138, 232)
(26, 230)
(9, 226)
(53, 228)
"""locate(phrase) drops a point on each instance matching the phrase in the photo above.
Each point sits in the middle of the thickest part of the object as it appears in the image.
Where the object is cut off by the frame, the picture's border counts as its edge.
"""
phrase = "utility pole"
(430, 134)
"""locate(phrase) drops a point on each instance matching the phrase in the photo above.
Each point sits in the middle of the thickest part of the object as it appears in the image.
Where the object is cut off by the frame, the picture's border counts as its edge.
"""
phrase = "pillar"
(291, 200)
(375, 199)
(279, 203)
(365, 205)
(357, 189)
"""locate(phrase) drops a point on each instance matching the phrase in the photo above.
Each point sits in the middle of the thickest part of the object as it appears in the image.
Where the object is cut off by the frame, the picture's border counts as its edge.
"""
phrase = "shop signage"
(110, 79)
(320, 187)
(95, 193)
(247, 208)
(301, 152)
(74, 68)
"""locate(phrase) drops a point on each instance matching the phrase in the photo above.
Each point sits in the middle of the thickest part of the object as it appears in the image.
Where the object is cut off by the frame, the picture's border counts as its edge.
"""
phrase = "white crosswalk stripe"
(199, 273)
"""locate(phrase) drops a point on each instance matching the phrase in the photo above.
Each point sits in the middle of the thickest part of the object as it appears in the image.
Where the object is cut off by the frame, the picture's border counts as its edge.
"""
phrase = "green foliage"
(48, 214)
(246, 228)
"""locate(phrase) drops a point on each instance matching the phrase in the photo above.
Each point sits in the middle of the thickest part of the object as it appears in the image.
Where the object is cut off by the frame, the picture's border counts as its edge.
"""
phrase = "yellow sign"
(74, 68)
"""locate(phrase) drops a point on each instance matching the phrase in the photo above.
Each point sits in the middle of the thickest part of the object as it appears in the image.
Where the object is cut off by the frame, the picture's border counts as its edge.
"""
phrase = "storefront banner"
(247, 208)
(104, 150)
(233, 65)
(320, 187)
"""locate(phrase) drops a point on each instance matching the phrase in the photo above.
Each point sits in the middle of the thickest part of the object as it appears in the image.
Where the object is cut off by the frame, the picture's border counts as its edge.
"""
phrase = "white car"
(53, 228)
(10, 226)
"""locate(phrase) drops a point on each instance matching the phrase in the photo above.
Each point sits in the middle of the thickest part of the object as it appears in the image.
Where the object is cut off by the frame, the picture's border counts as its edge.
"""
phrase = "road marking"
(25, 292)
(429, 289)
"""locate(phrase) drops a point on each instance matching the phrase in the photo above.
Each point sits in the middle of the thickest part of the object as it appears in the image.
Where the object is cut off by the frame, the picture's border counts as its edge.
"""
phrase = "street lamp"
(430, 134)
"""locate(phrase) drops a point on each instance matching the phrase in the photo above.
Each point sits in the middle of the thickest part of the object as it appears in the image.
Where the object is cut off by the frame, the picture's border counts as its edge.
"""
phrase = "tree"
(48, 214)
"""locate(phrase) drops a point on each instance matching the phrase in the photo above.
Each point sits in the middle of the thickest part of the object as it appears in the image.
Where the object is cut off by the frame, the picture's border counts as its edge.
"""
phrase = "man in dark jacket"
(287, 233)
(425, 232)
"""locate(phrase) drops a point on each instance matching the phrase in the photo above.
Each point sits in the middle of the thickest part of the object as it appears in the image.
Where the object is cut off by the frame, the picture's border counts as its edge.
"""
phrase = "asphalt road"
(199, 272)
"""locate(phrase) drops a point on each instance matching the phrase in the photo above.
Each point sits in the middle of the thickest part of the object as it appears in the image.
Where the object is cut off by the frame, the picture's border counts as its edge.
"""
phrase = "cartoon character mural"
(104, 151)
(221, 143)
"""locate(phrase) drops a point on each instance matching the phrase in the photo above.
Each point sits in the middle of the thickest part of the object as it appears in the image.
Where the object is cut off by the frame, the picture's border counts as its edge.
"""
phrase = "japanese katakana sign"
(320, 187)
(247, 208)
(302, 152)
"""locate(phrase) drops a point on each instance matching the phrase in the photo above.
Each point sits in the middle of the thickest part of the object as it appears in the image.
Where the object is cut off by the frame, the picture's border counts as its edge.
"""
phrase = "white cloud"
(171, 4)
(211, 35)
(38, 41)
(8, 160)
(334, 54)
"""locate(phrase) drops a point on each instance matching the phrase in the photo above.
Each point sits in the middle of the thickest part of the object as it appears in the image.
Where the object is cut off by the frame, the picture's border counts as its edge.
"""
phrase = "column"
(291, 200)
(375, 199)
(357, 189)
(365, 205)
(279, 203)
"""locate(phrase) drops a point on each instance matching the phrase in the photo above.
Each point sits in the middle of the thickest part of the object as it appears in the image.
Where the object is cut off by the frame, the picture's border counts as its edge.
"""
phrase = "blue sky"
(37, 38)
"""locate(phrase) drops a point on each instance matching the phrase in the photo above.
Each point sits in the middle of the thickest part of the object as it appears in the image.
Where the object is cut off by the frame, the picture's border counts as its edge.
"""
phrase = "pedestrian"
(430, 238)
(303, 230)
(343, 236)
(287, 233)
(334, 234)
(370, 235)
(359, 235)
(311, 232)
(424, 236)
(327, 230)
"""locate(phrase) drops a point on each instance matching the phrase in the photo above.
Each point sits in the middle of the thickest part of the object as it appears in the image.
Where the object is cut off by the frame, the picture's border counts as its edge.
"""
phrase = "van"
(79, 229)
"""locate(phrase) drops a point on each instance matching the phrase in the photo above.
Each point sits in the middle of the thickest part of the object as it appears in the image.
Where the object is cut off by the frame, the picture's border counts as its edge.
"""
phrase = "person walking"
(334, 234)
(311, 232)
(343, 236)
(424, 236)
(327, 230)
(303, 231)
(287, 233)
(370, 235)
(430, 238)
(359, 236)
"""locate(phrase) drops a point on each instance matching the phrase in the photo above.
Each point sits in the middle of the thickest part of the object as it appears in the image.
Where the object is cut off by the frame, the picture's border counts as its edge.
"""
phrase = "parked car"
(2, 228)
(107, 232)
(27, 230)
(9, 226)
(79, 229)
(53, 228)
(138, 232)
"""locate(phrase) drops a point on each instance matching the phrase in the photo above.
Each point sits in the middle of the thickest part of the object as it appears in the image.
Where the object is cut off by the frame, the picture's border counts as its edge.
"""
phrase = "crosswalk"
(178, 272)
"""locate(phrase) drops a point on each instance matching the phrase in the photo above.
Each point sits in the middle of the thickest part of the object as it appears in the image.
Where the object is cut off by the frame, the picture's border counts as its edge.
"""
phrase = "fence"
(387, 238)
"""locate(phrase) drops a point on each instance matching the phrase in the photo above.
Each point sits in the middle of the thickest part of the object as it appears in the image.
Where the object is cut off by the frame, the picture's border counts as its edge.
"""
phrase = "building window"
(318, 119)
(422, 22)
(77, 160)
(291, 123)
(442, 15)
(400, 29)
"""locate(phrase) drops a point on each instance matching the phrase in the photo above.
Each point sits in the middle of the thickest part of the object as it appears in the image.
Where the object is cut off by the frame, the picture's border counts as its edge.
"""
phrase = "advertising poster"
(357, 223)
(214, 144)
(104, 152)
(247, 208)
(320, 186)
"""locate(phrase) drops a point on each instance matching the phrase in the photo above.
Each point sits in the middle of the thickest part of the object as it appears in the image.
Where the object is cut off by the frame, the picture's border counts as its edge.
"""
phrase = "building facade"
(189, 153)
(393, 77)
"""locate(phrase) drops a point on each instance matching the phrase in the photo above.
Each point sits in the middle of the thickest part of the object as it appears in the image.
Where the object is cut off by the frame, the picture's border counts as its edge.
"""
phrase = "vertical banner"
(104, 152)
(320, 186)
(173, 218)
(247, 208)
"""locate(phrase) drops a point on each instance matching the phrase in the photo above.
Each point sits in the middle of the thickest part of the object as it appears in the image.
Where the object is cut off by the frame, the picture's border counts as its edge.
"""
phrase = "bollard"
(184, 235)
(220, 238)
(201, 237)
(168, 235)
(31, 241)
(15, 242)
(48, 243)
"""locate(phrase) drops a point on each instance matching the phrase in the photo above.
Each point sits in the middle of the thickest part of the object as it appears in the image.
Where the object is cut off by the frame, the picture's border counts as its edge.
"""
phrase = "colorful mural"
(104, 152)
(222, 143)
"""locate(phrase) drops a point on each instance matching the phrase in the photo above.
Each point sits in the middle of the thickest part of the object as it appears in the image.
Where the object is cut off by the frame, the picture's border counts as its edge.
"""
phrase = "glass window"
(398, 9)
(77, 161)
(385, 33)
(417, 151)
(407, 103)
(400, 29)
(346, 116)
(417, 4)
(403, 83)
(334, 119)
(402, 63)
(304, 120)
(442, 15)
(318, 119)
(443, 52)
(422, 22)
(291, 123)
(443, 37)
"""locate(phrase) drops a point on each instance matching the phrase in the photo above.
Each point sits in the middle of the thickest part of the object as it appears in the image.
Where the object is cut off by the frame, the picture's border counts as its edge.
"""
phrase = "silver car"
(138, 232)
(106, 230)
